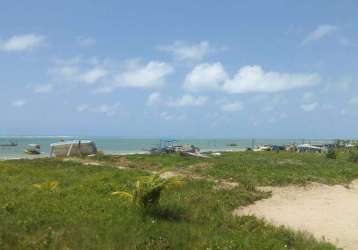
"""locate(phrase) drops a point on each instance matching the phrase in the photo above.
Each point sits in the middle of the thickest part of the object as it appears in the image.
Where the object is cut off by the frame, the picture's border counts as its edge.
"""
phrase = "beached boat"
(262, 148)
(309, 148)
(33, 149)
(73, 148)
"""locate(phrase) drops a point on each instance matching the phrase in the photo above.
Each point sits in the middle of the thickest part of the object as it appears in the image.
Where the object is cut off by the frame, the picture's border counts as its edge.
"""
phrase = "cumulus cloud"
(18, 103)
(24, 42)
(232, 106)
(189, 100)
(153, 98)
(44, 88)
(107, 75)
(93, 75)
(82, 108)
(106, 109)
(185, 51)
(96, 73)
(309, 107)
(255, 79)
(172, 117)
(320, 32)
(309, 102)
(150, 75)
(205, 77)
(354, 100)
(86, 41)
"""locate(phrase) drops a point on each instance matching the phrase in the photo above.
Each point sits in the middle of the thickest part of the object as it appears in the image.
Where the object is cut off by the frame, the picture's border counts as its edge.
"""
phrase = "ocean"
(121, 145)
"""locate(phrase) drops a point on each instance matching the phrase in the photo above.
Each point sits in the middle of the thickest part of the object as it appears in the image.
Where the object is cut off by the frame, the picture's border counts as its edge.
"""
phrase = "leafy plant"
(147, 192)
(47, 186)
(331, 154)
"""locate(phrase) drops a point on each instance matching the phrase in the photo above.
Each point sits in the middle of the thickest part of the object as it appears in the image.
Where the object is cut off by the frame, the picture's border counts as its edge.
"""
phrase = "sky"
(204, 69)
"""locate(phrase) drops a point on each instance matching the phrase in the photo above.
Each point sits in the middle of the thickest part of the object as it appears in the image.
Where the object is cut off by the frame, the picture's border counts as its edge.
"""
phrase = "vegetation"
(56, 204)
(353, 155)
(250, 168)
(331, 154)
(147, 191)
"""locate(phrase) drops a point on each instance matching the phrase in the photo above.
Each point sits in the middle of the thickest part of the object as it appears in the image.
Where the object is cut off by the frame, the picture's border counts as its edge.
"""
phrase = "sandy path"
(324, 211)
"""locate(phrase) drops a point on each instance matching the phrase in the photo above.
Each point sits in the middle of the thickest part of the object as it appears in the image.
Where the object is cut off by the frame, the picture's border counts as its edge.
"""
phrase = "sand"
(329, 212)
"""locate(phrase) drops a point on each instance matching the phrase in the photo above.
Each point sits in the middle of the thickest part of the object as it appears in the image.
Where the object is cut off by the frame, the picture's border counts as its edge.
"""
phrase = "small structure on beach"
(73, 148)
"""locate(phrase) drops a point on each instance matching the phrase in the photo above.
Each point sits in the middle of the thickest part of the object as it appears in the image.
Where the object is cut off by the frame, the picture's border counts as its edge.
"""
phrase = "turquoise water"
(119, 145)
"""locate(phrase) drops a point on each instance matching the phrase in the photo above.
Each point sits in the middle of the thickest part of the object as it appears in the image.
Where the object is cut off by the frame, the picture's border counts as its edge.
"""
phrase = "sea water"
(121, 145)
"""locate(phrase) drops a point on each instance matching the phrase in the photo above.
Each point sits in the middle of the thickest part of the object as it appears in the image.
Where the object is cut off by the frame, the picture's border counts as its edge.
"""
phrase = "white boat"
(262, 148)
(33, 149)
(73, 148)
(309, 148)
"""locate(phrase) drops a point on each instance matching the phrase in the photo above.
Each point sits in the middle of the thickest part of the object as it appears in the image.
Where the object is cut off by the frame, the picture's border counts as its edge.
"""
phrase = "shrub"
(353, 155)
(147, 191)
(331, 154)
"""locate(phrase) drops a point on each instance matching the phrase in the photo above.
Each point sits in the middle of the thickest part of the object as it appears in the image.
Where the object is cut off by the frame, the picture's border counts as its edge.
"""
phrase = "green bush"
(331, 154)
(353, 155)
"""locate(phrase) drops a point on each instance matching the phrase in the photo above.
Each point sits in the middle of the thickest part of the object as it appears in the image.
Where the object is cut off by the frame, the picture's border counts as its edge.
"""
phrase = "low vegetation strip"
(71, 205)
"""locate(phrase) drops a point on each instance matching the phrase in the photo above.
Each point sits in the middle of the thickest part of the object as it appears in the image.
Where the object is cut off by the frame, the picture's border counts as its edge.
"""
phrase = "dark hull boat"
(33, 149)
(11, 144)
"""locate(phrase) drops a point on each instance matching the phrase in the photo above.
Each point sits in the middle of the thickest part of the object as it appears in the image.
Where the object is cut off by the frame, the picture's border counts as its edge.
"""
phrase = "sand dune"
(329, 212)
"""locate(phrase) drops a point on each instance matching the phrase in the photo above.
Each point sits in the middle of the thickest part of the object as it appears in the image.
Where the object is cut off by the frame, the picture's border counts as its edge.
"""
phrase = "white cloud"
(308, 97)
(309, 107)
(354, 100)
(93, 75)
(45, 88)
(185, 51)
(170, 117)
(345, 83)
(255, 79)
(320, 32)
(309, 102)
(189, 100)
(79, 70)
(19, 103)
(22, 42)
(103, 90)
(150, 75)
(153, 98)
(67, 72)
(86, 41)
(82, 108)
(205, 77)
(232, 106)
(108, 110)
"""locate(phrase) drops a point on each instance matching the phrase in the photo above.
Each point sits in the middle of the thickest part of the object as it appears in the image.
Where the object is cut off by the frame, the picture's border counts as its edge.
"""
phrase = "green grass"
(81, 213)
(256, 168)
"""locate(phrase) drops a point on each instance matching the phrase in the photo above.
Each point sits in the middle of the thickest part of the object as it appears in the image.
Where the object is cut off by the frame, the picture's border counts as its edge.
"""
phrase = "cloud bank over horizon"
(224, 81)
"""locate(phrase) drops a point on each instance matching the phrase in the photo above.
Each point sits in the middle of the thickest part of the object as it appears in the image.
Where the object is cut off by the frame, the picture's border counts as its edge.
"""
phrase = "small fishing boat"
(33, 149)
(10, 144)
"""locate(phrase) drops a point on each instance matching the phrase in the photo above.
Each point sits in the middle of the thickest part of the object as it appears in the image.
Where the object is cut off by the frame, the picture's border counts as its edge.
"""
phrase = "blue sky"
(242, 69)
